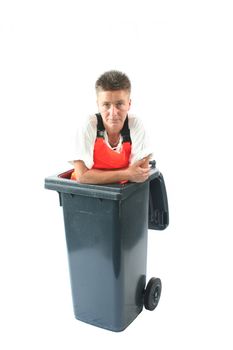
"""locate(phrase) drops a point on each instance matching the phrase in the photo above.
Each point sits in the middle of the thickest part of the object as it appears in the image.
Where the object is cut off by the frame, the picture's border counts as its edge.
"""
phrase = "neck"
(113, 139)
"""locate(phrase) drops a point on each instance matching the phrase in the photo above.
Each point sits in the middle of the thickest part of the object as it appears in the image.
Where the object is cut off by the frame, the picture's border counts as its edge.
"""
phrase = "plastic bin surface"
(106, 233)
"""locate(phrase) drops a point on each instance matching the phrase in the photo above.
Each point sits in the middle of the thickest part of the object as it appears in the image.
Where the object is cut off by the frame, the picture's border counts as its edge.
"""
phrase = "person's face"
(113, 106)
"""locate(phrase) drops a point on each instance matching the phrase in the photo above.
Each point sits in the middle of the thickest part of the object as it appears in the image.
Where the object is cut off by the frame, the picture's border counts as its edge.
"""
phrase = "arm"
(138, 172)
(140, 145)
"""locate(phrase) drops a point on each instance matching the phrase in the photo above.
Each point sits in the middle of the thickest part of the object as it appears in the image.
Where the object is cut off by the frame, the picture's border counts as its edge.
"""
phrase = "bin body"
(107, 252)
(106, 233)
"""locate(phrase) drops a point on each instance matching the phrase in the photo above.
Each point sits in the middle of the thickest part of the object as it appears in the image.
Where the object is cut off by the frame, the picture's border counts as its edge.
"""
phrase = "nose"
(113, 110)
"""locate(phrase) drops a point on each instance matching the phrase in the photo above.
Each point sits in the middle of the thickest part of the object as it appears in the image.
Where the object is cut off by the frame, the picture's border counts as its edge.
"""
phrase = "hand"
(138, 172)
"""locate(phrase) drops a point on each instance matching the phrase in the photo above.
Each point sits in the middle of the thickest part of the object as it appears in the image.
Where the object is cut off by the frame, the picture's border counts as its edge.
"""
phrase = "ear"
(129, 103)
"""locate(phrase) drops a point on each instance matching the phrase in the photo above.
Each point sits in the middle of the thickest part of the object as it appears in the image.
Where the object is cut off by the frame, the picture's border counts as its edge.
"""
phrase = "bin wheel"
(152, 293)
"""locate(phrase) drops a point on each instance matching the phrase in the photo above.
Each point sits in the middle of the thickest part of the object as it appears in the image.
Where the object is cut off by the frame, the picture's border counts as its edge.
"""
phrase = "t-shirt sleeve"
(140, 143)
(84, 142)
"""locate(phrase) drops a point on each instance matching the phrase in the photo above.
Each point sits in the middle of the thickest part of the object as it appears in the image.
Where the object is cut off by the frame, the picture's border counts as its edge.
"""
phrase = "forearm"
(134, 173)
(97, 176)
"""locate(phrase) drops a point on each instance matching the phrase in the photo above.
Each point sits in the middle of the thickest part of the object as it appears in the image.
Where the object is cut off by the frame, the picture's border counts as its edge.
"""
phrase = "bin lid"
(63, 184)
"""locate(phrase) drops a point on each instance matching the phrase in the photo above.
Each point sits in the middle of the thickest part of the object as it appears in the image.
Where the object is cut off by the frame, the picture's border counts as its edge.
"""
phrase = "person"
(111, 146)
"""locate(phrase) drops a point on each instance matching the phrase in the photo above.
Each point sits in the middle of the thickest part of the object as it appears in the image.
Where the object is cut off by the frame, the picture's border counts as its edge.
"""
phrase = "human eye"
(120, 104)
(106, 105)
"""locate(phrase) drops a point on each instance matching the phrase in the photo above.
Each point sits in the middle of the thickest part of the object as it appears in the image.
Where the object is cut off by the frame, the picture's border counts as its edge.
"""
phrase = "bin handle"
(153, 164)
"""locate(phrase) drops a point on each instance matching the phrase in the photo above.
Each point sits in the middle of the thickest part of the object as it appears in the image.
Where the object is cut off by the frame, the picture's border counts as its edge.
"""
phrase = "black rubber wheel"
(152, 293)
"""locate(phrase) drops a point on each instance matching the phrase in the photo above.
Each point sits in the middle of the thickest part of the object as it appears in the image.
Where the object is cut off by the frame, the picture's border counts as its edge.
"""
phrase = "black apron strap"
(125, 132)
(100, 126)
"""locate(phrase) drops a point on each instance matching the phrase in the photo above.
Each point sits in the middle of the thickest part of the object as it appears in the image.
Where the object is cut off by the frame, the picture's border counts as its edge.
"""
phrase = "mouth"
(114, 122)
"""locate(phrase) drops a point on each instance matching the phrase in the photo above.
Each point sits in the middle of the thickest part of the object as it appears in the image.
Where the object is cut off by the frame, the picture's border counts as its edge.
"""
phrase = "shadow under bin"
(106, 230)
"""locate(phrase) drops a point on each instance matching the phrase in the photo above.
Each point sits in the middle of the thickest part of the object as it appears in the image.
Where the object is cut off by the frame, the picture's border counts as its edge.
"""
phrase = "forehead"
(111, 96)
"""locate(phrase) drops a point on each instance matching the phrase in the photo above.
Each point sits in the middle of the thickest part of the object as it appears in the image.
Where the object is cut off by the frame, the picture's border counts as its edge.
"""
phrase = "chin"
(115, 128)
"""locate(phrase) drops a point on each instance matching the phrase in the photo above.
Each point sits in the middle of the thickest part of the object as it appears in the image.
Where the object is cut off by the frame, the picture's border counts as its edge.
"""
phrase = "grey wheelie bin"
(106, 233)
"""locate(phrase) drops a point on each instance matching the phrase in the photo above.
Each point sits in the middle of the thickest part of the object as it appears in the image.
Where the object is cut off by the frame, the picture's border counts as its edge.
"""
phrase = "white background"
(179, 57)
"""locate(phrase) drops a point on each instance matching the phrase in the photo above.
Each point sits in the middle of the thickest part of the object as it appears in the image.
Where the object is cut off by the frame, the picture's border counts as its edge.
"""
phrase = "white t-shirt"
(86, 136)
